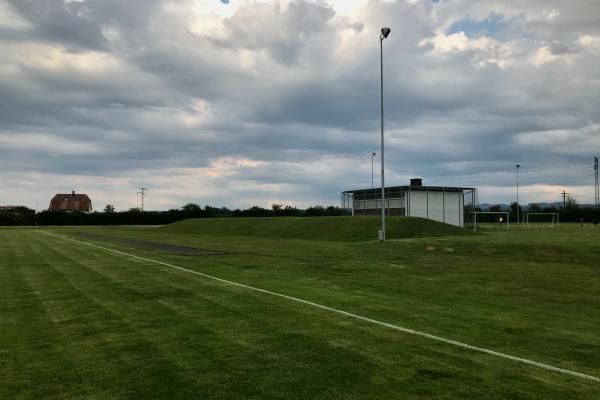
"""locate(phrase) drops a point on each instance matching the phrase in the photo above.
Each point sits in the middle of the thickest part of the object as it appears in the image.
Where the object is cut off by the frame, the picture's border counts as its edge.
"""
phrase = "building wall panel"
(437, 205)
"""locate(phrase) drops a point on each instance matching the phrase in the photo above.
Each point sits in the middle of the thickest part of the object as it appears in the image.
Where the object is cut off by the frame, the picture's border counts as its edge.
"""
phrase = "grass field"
(81, 322)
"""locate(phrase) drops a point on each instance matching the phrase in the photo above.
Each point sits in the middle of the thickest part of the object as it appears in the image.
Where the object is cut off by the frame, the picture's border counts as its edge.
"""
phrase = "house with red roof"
(71, 202)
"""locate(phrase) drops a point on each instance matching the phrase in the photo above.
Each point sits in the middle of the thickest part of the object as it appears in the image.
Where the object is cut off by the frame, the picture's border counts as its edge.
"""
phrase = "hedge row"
(25, 216)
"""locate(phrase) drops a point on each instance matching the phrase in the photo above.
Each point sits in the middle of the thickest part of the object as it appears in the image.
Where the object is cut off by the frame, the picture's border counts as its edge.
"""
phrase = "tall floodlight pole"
(385, 32)
(597, 187)
(372, 175)
(517, 170)
(143, 192)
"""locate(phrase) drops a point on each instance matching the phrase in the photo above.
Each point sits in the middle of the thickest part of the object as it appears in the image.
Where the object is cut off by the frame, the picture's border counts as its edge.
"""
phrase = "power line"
(143, 192)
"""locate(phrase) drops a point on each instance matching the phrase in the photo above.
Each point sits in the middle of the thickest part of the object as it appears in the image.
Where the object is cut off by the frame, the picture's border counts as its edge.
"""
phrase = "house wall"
(394, 206)
(376, 204)
(439, 206)
(447, 207)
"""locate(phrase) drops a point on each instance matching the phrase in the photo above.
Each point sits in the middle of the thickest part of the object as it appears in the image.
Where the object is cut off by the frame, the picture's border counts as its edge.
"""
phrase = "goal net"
(489, 220)
(541, 219)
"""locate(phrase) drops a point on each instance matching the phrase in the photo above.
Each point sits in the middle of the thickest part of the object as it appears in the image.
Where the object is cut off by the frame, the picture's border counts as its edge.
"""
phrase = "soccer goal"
(490, 220)
(542, 218)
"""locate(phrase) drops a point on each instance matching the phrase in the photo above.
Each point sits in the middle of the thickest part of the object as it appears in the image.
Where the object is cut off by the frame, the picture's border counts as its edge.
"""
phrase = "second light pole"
(385, 32)
(517, 166)
(372, 174)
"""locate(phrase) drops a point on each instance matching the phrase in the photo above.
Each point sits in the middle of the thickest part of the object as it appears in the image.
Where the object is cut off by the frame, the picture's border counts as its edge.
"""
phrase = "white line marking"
(351, 315)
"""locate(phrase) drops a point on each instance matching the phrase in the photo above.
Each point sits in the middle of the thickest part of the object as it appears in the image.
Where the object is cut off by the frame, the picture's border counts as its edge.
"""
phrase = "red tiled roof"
(70, 202)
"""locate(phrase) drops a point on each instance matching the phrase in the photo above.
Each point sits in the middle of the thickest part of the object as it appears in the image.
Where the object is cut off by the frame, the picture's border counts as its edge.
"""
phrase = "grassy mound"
(316, 228)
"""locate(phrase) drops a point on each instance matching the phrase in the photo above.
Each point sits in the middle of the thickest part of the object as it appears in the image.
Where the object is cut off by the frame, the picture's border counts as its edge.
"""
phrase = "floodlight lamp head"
(385, 32)
(373, 154)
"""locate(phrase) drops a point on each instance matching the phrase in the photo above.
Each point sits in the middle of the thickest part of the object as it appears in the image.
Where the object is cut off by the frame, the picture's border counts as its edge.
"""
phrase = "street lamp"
(517, 172)
(372, 181)
(385, 32)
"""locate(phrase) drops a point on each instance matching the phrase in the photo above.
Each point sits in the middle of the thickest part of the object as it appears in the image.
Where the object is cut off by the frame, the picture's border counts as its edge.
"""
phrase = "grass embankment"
(316, 228)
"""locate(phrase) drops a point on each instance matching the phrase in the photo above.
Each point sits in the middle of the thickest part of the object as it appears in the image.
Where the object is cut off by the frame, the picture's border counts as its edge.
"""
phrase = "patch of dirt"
(167, 248)
(545, 253)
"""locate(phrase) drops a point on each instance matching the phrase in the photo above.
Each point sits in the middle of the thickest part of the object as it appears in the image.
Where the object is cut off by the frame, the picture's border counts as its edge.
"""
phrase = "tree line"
(22, 216)
(570, 212)
(25, 216)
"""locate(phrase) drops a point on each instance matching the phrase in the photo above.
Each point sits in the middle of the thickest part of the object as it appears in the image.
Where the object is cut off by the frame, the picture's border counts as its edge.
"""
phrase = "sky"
(240, 103)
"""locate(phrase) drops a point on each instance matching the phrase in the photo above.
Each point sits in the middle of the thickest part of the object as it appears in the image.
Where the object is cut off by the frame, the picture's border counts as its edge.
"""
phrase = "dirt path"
(168, 248)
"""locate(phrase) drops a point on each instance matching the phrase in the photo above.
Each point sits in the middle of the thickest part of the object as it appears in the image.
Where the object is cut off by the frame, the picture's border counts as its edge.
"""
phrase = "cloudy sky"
(242, 103)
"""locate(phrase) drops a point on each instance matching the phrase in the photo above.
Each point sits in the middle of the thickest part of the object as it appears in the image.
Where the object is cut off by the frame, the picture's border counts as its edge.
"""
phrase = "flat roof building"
(438, 203)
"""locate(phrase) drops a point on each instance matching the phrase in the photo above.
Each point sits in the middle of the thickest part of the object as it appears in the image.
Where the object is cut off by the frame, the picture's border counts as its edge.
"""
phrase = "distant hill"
(486, 206)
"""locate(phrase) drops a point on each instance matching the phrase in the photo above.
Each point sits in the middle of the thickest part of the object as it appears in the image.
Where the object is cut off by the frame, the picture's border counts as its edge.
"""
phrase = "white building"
(444, 204)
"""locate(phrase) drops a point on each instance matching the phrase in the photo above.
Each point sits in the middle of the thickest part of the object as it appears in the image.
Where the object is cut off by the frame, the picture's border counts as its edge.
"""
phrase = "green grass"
(316, 228)
(81, 323)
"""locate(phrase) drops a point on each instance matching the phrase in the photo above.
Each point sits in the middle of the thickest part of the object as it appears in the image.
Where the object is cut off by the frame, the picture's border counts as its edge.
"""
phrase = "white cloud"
(56, 59)
(9, 19)
(484, 50)
(50, 145)
(589, 41)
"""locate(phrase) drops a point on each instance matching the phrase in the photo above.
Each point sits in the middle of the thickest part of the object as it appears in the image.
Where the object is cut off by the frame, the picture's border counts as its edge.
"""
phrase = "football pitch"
(122, 313)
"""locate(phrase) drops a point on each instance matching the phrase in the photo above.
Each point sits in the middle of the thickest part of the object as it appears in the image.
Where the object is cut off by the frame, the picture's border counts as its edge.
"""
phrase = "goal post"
(555, 217)
(496, 220)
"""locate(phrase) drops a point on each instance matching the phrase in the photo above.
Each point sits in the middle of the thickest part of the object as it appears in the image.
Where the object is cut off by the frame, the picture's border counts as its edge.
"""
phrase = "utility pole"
(564, 195)
(596, 187)
(143, 192)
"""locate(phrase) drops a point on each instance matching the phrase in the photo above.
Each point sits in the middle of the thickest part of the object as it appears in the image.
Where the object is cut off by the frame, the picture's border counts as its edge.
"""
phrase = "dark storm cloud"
(79, 24)
(55, 20)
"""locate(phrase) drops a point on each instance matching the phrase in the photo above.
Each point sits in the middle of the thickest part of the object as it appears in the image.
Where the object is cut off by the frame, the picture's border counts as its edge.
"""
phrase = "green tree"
(191, 207)
(469, 208)
(495, 208)
(513, 209)
(571, 203)
(109, 208)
